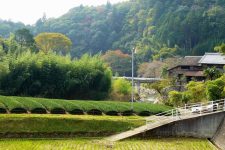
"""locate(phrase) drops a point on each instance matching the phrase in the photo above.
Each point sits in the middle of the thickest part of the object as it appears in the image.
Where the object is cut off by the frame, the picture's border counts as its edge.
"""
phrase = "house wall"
(180, 71)
(218, 66)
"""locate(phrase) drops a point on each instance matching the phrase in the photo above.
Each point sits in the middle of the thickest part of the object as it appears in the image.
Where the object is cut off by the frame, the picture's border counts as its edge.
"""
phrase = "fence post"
(212, 106)
(172, 113)
(200, 108)
(185, 112)
(224, 105)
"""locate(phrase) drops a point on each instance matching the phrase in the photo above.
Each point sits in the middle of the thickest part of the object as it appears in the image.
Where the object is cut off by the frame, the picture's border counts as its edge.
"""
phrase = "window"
(185, 67)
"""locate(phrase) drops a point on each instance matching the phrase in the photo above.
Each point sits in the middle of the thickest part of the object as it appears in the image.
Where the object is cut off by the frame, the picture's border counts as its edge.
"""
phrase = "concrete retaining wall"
(219, 138)
(200, 127)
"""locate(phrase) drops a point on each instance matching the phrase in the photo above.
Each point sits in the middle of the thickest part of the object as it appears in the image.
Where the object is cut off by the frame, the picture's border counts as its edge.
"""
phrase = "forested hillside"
(8, 26)
(162, 28)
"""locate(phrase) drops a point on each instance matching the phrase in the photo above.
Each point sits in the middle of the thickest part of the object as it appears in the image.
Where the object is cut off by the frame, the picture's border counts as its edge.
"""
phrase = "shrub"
(52, 106)
(12, 105)
(56, 106)
(160, 85)
(215, 89)
(31, 105)
(2, 109)
(121, 90)
(212, 73)
(175, 98)
(196, 91)
(70, 107)
(122, 86)
(186, 97)
(107, 108)
(213, 92)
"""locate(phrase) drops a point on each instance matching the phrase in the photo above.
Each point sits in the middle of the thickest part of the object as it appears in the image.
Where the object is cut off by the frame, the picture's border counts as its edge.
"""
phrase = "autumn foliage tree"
(118, 61)
(57, 42)
(150, 70)
(157, 68)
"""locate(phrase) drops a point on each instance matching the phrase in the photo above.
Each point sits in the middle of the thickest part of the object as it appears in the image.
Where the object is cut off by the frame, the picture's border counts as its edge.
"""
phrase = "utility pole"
(132, 94)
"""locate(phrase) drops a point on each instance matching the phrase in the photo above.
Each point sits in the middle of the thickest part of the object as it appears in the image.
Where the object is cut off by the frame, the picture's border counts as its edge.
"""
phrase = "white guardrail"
(188, 111)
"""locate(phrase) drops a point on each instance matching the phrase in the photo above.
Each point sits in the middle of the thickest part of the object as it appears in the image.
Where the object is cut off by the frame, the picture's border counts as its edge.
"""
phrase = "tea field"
(17, 105)
(57, 125)
(97, 144)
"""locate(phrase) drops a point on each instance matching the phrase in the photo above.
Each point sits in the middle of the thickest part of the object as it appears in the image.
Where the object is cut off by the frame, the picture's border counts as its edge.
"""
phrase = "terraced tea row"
(77, 107)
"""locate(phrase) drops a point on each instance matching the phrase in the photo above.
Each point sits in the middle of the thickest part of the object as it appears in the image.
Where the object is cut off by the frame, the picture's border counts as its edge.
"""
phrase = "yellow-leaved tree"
(57, 42)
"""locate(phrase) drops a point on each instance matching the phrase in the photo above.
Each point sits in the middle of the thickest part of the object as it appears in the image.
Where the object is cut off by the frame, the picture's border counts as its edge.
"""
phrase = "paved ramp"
(136, 131)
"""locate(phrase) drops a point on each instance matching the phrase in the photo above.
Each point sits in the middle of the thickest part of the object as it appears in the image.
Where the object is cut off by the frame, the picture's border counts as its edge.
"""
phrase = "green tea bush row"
(56, 106)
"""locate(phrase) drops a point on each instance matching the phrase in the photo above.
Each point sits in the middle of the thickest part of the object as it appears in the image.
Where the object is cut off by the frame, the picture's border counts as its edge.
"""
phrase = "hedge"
(3, 110)
(31, 105)
(52, 106)
(78, 107)
(13, 105)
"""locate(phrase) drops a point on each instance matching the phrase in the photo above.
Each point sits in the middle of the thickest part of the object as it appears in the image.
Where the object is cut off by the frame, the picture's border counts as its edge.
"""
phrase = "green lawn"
(96, 144)
(35, 125)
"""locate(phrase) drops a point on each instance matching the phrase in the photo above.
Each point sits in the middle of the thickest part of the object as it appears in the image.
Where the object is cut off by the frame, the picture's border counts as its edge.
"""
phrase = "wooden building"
(192, 67)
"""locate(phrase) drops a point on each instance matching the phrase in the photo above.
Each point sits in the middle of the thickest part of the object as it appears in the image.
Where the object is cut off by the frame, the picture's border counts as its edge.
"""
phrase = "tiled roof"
(213, 58)
(188, 61)
(191, 60)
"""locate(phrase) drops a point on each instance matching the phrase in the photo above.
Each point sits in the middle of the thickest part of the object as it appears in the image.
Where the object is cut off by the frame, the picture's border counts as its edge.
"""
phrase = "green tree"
(165, 52)
(212, 73)
(160, 85)
(215, 89)
(220, 48)
(11, 46)
(7, 27)
(122, 86)
(121, 90)
(56, 76)
(24, 38)
(175, 98)
(196, 91)
(195, 26)
(57, 42)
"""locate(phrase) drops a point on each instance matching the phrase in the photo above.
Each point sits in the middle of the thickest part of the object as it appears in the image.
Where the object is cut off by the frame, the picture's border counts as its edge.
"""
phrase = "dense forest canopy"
(192, 27)
(8, 26)
(32, 71)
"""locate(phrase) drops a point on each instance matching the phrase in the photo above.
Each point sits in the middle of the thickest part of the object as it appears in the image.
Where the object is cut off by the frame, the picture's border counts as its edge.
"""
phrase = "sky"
(29, 11)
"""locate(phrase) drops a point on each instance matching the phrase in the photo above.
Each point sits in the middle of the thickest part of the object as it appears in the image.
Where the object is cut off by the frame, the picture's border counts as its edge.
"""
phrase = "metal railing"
(188, 111)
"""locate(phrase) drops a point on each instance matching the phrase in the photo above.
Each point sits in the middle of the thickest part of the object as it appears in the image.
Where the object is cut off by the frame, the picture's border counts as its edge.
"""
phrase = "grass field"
(95, 144)
(36, 124)
(55, 106)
